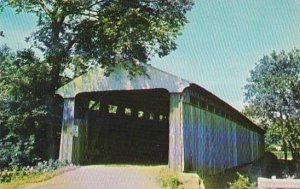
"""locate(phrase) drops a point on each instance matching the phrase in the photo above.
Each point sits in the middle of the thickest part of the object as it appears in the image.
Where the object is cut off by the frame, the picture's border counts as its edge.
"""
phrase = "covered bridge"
(158, 118)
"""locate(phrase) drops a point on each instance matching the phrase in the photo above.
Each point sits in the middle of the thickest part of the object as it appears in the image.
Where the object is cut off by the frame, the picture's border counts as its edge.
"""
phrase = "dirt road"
(104, 177)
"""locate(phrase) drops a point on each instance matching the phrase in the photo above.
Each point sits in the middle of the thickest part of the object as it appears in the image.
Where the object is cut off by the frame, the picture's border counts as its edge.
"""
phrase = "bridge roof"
(95, 80)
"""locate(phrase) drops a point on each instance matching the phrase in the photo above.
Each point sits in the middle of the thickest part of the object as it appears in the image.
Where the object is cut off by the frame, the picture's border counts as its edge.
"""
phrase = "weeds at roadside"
(18, 176)
(242, 182)
(168, 178)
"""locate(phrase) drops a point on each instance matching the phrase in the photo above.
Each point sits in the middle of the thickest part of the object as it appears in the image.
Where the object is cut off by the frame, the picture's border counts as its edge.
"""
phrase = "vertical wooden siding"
(213, 143)
(176, 133)
(80, 142)
(72, 148)
(66, 140)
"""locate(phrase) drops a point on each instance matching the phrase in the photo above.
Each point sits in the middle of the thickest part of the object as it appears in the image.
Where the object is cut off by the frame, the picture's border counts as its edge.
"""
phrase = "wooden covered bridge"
(159, 118)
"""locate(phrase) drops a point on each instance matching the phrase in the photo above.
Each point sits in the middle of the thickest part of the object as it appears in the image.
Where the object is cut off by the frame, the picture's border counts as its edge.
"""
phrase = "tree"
(105, 32)
(273, 95)
(24, 110)
(273, 134)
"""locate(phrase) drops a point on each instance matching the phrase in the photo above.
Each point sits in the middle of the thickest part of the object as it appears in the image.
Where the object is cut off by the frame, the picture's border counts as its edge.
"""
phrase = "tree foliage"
(105, 32)
(26, 107)
(273, 94)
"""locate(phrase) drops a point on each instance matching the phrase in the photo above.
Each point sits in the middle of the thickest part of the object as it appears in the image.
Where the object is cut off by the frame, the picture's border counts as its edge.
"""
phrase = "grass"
(19, 181)
(223, 179)
(242, 182)
(168, 178)
(280, 154)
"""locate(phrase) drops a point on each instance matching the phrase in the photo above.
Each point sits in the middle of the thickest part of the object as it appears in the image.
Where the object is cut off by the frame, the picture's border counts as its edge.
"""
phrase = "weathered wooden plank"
(176, 153)
(213, 143)
(66, 142)
(80, 142)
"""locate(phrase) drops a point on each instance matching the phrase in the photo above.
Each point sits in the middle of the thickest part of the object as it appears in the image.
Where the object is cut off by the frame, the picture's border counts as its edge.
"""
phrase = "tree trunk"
(296, 157)
(56, 57)
(286, 166)
(57, 54)
(285, 150)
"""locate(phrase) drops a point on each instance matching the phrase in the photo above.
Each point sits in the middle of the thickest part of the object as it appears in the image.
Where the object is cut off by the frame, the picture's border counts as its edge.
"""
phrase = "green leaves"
(22, 75)
(16, 151)
(109, 33)
(242, 182)
(273, 93)
(26, 106)
(126, 33)
(273, 82)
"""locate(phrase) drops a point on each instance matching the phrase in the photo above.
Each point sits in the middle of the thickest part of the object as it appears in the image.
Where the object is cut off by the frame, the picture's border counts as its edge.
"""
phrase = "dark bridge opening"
(124, 126)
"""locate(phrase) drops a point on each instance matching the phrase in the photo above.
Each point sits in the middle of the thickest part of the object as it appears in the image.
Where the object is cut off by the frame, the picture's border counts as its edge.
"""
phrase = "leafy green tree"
(273, 95)
(26, 111)
(273, 134)
(105, 32)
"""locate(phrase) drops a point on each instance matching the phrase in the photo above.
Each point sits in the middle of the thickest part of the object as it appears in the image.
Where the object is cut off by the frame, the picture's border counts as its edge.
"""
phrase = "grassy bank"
(18, 181)
(15, 177)
(168, 178)
(21, 180)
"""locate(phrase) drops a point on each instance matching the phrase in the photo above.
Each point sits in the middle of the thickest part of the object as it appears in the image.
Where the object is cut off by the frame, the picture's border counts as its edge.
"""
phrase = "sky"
(217, 48)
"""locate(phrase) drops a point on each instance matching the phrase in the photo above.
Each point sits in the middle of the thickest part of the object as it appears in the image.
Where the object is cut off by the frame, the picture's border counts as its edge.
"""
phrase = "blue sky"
(219, 46)
(16, 27)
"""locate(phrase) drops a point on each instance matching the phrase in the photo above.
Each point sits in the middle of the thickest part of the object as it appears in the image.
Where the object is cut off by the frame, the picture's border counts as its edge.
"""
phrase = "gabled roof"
(95, 80)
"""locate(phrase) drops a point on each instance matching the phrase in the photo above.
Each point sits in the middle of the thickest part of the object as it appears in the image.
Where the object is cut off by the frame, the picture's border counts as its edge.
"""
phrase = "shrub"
(271, 148)
(50, 165)
(7, 175)
(169, 178)
(242, 182)
(16, 152)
